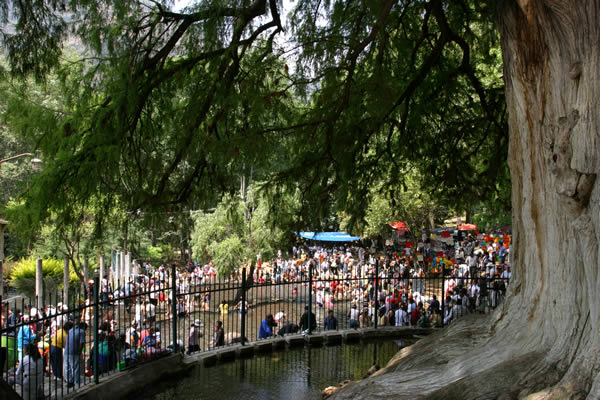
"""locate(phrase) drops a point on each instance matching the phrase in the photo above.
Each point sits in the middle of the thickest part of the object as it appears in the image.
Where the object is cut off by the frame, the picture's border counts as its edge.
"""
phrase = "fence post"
(86, 273)
(443, 293)
(96, 318)
(243, 308)
(310, 284)
(39, 285)
(66, 280)
(101, 268)
(376, 311)
(174, 305)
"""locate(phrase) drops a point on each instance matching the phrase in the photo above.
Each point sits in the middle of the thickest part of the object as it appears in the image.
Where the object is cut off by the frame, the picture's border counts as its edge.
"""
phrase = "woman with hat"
(194, 337)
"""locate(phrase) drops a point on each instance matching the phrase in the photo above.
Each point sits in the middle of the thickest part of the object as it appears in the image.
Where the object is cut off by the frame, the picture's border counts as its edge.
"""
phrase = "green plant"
(22, 276)
(152, 252)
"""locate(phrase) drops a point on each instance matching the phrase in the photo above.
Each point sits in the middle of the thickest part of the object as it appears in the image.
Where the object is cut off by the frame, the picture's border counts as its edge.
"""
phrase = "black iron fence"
(53, 349)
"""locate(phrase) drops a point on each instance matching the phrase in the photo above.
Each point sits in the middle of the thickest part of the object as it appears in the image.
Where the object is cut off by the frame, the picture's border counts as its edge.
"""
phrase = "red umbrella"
(398, 225)
(467, 227)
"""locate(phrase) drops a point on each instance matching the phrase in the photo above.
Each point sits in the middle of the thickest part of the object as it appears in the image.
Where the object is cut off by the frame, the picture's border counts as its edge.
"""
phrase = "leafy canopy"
(164, 108)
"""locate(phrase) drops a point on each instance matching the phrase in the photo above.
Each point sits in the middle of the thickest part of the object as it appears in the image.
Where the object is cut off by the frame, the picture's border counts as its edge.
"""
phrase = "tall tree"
(173, 103)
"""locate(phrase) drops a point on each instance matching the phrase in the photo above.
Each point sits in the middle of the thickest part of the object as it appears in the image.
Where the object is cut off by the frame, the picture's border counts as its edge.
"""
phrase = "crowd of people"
(351, 287)
(391, 289)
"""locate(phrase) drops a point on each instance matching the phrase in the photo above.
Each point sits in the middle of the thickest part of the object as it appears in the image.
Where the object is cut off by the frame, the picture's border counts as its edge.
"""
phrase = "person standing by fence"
(57, 344)
(25, 336)
(73, 348)
(219, 335)
(30, 373)
(353, 315)
(331, 323)
(194, 337)
(304, 320)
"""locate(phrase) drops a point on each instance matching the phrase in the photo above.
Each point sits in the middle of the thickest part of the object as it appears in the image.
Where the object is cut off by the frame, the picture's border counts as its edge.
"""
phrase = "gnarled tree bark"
(545, 340)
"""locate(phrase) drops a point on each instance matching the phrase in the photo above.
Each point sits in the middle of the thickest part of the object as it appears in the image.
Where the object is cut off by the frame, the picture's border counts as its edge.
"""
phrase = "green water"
(293, 374)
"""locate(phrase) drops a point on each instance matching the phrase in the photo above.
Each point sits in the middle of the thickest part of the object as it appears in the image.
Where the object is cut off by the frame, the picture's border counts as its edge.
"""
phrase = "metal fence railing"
(64, 344)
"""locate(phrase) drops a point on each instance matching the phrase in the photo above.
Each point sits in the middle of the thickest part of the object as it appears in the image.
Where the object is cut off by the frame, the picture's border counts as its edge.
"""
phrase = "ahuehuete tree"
(173, 105)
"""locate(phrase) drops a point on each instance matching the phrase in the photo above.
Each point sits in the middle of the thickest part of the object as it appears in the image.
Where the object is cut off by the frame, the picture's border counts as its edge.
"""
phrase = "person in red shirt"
(397, 297)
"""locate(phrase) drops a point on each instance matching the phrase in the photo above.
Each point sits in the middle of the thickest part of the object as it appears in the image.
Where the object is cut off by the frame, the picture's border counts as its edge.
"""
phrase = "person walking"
(57, 344)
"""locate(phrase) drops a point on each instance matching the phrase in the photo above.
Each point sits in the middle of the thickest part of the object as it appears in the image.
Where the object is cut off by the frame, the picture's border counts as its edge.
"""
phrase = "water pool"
(290, 374)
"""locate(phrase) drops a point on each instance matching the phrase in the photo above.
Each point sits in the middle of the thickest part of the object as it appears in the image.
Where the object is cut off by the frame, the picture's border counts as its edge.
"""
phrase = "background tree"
(231, 235)
(408, 203)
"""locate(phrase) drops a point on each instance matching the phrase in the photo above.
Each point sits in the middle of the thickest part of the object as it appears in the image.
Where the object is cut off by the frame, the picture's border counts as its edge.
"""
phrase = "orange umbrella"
(398, 225)
(467, 227)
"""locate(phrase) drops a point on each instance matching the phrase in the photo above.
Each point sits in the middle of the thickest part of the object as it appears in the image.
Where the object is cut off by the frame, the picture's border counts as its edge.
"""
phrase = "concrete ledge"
(226, 354)
(265, 346)
(209, 360)
(295, 340)
(132, 382)
(279, 343)
(333, 338)
(245, 351)
(352, 336)
(125, 384)
(314, 340)
(369, 333)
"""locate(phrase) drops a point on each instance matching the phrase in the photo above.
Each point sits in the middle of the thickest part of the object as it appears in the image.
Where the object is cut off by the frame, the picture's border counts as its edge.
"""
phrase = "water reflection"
(297, 373)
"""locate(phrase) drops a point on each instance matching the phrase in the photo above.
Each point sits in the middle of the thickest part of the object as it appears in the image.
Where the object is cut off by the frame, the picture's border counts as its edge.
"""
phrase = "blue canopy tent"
(328, 236)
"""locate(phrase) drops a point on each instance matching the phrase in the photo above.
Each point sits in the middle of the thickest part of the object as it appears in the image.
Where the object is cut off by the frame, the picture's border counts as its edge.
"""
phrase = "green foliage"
(236, 231)
(408, 203)
(170, 109)
(22, 276)
(152, 253)
(228, 254)
(496, 211)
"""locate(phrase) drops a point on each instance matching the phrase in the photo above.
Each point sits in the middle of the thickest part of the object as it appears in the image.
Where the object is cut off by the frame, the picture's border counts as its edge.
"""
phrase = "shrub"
(153, 253)
(22, 276)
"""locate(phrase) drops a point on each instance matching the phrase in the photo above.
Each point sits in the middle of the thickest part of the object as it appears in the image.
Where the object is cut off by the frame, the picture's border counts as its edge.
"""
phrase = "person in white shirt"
(150, 312)
(454, 312)
(30, 373)
(474, 289)
(281, 318)
(354, 316)
(131, 336)
(139, 309)
(401, 316)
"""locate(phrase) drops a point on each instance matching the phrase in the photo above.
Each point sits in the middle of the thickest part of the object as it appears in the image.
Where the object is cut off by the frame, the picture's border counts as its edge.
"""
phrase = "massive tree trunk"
(544, 342)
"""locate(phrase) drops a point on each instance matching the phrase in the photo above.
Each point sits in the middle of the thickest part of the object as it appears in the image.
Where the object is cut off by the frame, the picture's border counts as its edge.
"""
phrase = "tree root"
(466, 361)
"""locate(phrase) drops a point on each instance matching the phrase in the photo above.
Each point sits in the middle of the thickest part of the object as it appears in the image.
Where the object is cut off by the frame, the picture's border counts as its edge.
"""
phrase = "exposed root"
(464, 362)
